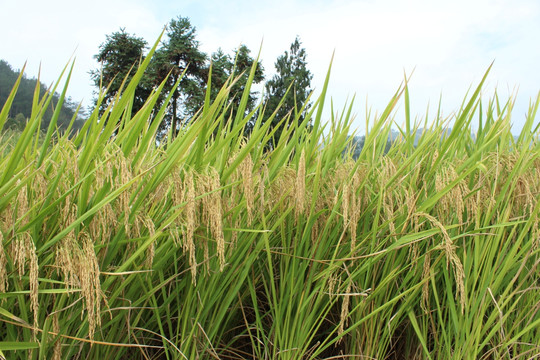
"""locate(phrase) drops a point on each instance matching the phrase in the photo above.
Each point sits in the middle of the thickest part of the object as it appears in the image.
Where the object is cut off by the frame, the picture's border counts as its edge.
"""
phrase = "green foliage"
(180, 58)
(16, 123)
(181, 66)
(291, 86)
(225, 70)
(119, 56)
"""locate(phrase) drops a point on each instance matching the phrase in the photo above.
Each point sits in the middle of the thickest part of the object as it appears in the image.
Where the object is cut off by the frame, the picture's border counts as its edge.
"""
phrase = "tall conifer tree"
(292, 71)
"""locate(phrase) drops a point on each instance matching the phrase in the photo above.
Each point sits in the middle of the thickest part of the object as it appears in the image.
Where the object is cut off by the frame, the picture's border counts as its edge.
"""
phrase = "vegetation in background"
(225, 67)
(209, 246)
(287, 93)
(21, 106)
(118, 56)
(178, 58)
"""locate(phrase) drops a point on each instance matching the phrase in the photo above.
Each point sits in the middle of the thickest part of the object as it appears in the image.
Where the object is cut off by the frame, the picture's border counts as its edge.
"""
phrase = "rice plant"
(209, 246)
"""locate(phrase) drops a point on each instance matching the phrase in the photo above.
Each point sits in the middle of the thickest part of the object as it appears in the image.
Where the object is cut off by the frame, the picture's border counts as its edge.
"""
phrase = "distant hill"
(357, 143)
(21, 107)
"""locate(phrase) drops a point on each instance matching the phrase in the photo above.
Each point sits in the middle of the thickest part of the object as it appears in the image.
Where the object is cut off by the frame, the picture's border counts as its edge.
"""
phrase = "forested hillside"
(22, 104)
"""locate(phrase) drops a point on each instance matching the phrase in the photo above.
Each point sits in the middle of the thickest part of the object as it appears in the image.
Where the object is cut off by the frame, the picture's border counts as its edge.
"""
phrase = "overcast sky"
(449, 44)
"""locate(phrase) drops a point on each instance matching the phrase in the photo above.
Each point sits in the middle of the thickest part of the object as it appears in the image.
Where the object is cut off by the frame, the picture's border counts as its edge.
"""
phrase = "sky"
(445, 47)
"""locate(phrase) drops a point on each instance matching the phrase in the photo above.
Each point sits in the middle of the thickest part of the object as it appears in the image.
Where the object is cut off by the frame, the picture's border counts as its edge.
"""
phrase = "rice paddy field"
(210, 247)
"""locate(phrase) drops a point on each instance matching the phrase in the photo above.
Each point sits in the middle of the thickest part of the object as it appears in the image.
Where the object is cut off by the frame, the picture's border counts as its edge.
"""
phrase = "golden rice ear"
(426, 272)
(282, 188)
(3, 265)
(356, 208)
(57, 354)
(246, 171)
(78, 262)
(151, 251)
(387, 172)
(536, 233)
(263, 179)
(346, 196)
(300, 186)
(451, 258)
(34, 274)
(88, 274)
(40, 187)
(177, 189)
(410, 205)
(333, 283)
(18, 251)
(523, 197)
(344, 315)
(123, 176)
(109, 223)
(64, 260)
(23, 249)
(189, 244)
(177, 193)
(452, 203)
(214, 212)
(176, 234)
(22, 203)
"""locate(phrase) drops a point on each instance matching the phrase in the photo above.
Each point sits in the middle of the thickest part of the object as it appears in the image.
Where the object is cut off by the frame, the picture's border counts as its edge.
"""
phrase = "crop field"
(211, 246)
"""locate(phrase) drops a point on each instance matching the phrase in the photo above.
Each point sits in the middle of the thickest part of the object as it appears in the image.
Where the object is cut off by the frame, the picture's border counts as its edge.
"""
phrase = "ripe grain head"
(191, 224)
(34, 285)
(452, 258)
(151, 229)
(452, 202)
(57, 353)
(213, 211)
(344, 315)
(23, 250)
(281, 189)
(426, 272)
(22, 203)
(3, 265)
(246, 174)
(300, 185)
(88, 274)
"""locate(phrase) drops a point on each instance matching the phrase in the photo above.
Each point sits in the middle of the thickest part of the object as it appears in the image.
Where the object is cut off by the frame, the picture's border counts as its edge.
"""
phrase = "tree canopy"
(179, 58)
(119, 55)
(180, 54)
(238, 68)
(292, 83)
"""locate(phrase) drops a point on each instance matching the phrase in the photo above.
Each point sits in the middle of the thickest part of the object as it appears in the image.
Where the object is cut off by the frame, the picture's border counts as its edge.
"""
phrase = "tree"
(242, 68)
(177, 59)
(180, 52)
(223, 67)
(291, 68)
(119, 56)
(221, 70)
